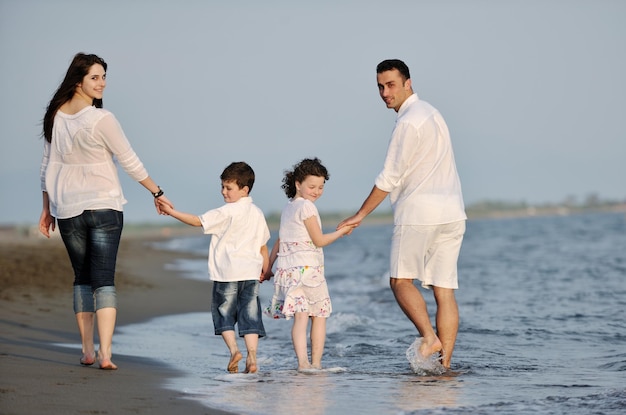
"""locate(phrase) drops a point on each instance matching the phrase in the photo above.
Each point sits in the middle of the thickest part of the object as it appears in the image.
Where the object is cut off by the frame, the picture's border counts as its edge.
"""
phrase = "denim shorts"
(92, 239)
(238, 303)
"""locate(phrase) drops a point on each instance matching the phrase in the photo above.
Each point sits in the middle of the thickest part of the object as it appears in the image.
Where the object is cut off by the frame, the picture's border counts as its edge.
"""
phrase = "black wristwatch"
(159, 193)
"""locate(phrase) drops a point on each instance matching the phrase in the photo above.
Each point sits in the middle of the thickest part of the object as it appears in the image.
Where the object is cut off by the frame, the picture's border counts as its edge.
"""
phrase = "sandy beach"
(37, 377)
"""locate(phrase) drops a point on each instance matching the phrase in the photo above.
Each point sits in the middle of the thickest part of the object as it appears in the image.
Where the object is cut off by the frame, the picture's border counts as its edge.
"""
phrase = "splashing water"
(423, 366)
(535, 355)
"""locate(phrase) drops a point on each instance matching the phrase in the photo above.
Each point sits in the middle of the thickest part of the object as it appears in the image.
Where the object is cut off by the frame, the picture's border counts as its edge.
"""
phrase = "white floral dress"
(299, 282)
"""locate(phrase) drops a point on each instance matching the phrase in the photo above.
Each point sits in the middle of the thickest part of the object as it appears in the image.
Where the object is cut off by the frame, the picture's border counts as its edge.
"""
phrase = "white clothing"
(78, 168)
(419, 171)
(238, 230)
(296, 247)
(428, 253)
(299, 282)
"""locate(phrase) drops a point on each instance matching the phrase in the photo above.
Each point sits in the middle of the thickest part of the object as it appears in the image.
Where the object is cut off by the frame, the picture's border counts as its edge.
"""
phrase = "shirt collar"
(245, 200)
(411, 99)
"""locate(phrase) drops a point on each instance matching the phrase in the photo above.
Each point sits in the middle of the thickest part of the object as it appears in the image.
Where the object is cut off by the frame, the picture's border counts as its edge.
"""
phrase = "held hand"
(163, 205)
(351, 222)
(47, 223)
(347, 229)
(266, 276)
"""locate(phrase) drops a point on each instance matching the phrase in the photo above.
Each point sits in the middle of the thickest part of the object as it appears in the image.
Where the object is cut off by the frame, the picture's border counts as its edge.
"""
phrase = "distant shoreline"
(159, 230)
(540, 211)
(476, 212)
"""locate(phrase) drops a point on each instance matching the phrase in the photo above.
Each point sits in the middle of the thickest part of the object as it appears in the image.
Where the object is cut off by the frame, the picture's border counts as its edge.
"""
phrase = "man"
(420, 176)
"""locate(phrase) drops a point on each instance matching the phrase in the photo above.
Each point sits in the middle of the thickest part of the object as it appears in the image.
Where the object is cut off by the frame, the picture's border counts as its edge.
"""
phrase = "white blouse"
(78, 168)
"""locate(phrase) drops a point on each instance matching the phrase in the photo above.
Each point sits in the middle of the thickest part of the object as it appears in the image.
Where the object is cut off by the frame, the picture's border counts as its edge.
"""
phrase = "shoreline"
(155, 230)
(38, 377)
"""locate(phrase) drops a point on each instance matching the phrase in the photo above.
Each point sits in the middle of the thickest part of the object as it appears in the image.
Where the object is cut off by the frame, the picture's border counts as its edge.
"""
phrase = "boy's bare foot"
(251, 368)
(88, 359)
(233, 364)
(251, 362)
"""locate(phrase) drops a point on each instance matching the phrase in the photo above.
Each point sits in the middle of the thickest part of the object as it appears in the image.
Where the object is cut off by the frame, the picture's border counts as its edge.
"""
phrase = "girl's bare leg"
(235, 355)
(298, 337)
(86, 323)
(318, 339)
(252, 342)
(106, 325)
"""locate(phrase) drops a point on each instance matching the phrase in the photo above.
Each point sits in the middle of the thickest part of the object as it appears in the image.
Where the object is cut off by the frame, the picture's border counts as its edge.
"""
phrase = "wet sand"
(37, 377)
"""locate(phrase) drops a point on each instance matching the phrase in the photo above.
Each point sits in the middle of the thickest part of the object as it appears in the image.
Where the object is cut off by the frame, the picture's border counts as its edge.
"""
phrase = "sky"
(532, 92)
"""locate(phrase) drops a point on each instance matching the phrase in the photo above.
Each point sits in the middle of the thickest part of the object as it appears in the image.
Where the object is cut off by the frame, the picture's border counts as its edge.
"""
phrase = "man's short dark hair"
(391, 64)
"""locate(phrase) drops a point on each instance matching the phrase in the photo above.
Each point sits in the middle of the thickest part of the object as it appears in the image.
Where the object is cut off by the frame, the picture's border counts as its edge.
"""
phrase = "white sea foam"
(500, 364)
(421, 365)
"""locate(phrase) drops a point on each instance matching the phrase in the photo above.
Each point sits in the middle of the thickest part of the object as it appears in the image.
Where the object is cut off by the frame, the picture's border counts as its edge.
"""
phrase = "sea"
(542, 302)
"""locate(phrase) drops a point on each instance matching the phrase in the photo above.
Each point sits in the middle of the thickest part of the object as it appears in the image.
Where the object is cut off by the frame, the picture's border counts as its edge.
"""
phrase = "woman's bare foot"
(88, 359)
(233, 364)
(107, 364)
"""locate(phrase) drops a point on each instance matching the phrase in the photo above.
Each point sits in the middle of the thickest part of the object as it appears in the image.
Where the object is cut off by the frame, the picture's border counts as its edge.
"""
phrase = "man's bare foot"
(430, 347)
(88, 359)
(445, 360)
(233, 364)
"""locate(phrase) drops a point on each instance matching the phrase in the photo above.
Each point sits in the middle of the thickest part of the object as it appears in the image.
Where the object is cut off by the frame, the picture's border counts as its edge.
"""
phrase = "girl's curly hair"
(307, 167)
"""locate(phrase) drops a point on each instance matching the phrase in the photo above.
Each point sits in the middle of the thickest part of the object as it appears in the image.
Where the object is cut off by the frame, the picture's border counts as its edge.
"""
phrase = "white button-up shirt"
(238, 230)
(419, 171)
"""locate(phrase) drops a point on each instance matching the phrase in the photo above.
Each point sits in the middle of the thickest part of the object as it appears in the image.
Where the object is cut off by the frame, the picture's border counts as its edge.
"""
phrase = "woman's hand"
(163, 204)
(47, 223)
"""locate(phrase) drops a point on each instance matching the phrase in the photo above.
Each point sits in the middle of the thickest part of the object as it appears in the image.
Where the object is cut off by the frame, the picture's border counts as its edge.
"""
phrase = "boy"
(238, 258)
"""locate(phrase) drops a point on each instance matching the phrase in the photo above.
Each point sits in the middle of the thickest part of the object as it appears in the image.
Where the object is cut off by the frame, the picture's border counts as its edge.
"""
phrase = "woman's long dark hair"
(75, 73)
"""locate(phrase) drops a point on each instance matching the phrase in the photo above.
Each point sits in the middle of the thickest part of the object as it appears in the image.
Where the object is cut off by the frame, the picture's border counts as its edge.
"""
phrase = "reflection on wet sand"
(428, 392)
(279, 393)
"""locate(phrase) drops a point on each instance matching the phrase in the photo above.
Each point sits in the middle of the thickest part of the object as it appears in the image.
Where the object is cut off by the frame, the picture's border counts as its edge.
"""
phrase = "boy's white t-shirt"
(238, 231)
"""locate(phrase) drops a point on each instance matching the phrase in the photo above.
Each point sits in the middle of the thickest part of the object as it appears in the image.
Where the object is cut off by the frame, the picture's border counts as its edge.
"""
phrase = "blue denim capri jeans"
(92, 240)
(238, 303)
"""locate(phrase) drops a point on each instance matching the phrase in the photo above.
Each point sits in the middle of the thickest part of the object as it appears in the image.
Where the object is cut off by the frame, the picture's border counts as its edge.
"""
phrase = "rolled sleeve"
(397, 158)
(45, 159)
(110, 132)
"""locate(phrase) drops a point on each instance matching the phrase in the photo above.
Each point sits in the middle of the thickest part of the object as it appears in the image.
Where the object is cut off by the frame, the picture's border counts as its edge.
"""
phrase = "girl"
(300, 289)
(82, 193)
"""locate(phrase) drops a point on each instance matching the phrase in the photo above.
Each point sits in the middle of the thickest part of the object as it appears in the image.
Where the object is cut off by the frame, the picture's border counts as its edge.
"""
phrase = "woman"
(82, 192)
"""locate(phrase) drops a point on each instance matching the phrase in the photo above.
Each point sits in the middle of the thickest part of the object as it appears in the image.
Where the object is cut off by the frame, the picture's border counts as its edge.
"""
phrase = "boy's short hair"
(239, 172)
